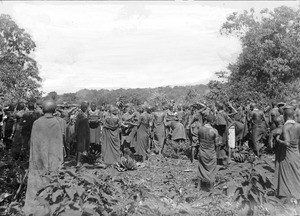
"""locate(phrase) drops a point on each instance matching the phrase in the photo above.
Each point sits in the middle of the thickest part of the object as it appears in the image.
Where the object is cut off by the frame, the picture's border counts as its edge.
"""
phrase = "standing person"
(142, 140)
(94, 122)
(27, 122)
(82, 130)
(289, 159)
(181, 113)
(8, 123)
(159, 135)
(239, 124)
(208, 137)
(258, 128)
(111, 137)
(276, 133)
(16, 132)
(134, 124)
(195, 124)
(46, 155)
(127, 129)
(222, 121)
(71, 133)
(273, 114)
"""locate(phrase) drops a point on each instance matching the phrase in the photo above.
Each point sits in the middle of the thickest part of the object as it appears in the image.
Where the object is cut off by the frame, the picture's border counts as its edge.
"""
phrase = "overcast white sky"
(129, 44)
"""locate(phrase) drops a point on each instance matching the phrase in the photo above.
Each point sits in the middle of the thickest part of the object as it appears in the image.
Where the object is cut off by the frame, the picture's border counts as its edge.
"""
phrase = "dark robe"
(277, 150)
(82, 130)
(239, 126)
(111, 139)
(8, 127)
(159, 130)
(17, 139)
(221, 126)
(207, 153)
(46, 155)
(27, 122)
(142, 141)
(133, 133)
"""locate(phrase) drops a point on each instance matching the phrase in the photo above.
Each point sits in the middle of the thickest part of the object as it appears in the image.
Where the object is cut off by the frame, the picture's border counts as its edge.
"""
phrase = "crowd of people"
(50, 135)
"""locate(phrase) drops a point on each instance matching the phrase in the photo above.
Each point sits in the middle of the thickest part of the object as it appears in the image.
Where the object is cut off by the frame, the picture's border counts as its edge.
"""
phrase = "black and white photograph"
(149, 108)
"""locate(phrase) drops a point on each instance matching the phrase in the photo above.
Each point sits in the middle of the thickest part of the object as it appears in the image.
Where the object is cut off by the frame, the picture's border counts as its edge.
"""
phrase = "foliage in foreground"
(13, 180)
(86, 192)
(163, 187)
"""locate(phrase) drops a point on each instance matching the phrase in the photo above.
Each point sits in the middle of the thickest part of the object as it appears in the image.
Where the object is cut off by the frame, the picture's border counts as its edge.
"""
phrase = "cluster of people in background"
(51, 134)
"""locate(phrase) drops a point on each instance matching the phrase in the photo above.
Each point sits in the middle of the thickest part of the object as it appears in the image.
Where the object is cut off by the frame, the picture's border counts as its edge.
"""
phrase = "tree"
(52, 95)
(158, 99)
(269, 64)
(68, 98)
(19, 74)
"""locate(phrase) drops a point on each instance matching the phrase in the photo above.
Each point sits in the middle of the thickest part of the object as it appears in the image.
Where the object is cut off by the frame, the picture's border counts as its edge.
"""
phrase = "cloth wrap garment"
(111, 140)
(46, 155)
(27, 123)
(288, 184)
(257, 133)
(221, 126)
(82, 129)
(159, 130)
(142, 139)
(207, 155)
(18, 138)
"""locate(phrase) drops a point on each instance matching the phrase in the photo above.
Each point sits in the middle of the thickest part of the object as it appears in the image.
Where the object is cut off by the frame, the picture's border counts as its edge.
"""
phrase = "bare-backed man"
(258, 128)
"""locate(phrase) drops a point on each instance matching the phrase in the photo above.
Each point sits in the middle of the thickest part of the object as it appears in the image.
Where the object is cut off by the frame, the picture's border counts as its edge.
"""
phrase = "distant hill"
(180, 94)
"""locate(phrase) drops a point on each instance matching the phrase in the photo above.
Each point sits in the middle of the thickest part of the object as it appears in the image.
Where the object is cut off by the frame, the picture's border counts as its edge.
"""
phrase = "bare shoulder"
(297, 125)
(213, 131)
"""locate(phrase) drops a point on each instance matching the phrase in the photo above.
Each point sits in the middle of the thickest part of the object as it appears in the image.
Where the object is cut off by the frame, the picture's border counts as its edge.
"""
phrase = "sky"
(132, 44)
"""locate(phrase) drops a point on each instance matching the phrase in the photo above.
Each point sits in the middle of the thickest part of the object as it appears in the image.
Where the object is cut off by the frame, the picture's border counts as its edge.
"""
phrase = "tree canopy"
(19, 74)
(153, 96)
(268, 66)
